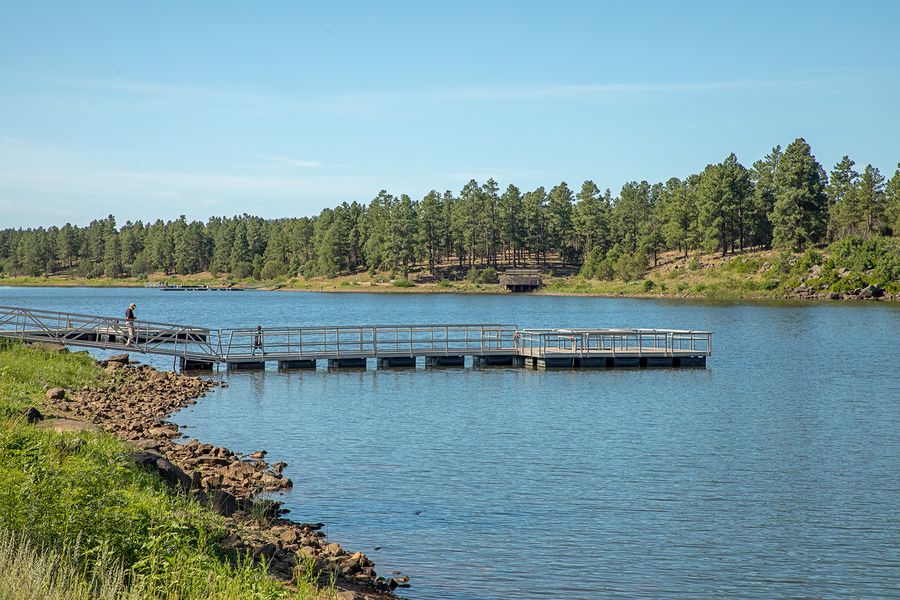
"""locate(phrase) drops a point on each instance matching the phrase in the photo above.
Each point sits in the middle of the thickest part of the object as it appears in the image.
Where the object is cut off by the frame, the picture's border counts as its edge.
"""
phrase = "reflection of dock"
(352, 346)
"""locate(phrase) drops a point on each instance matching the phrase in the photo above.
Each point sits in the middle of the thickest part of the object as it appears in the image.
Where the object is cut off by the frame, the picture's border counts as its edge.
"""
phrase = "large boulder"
(169, 473)
(56, 393)
(223, 502)
(870, 292)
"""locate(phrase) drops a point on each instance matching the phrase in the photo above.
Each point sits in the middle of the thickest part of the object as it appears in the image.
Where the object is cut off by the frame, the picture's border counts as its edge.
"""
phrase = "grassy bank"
(840, 270)
(79, 520)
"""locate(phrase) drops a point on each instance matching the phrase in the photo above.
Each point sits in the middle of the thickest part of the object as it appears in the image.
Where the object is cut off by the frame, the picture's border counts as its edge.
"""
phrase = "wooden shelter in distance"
(521, 280)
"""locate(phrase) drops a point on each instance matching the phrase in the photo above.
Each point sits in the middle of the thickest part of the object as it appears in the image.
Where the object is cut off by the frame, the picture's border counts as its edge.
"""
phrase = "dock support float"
(286, 365)
(555, 363)
(397, 362)
(188, 364)
(601, 362)
(689, 361)
(626, 361)
(445, 361)
(495, 360)
(255, 365)
(346, 363)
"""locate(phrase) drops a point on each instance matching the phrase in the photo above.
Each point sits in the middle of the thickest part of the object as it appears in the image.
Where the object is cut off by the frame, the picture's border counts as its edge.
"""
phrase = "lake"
(772, 473)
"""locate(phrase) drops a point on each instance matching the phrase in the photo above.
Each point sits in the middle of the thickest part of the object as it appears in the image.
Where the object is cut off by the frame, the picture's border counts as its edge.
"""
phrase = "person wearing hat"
(129, 322)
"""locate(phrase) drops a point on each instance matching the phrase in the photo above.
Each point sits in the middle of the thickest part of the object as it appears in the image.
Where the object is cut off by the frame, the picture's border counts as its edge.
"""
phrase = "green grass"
(77, 501)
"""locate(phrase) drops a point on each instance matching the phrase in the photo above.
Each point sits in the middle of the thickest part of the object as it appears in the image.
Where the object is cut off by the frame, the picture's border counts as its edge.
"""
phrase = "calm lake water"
(775, 472)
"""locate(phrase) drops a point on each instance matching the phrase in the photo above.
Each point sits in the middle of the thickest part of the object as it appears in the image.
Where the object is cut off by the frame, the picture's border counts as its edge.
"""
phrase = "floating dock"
(388, 346)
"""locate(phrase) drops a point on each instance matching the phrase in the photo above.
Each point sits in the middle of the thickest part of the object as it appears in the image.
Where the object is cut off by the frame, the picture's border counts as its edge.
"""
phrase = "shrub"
(648, 285)
(742, 266)
(272, 269)
(242, 270)
(630, 267)
(808, 259)
(694, 264)
(403, 283)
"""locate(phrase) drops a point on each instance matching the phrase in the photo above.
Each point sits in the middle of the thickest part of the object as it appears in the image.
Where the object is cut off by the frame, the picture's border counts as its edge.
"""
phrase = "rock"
(289, 536)
(835, 296)
(144, 444)
(265, 551)
(168, 472)
(231, 542)
(56, 394)
(258, 455)
(213, 461)
(118, 358)
(871, 291)
(332, 549)
(223, 502)
(32, 415)
(279, 467)
(162, 432)
(346, 595)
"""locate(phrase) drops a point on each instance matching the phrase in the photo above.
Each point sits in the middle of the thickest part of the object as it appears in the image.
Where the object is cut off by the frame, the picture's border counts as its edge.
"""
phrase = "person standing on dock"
(258, 341)
(129, 323)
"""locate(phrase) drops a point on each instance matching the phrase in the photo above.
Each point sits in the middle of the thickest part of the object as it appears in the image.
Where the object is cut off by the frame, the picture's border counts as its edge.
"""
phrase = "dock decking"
(352, 346)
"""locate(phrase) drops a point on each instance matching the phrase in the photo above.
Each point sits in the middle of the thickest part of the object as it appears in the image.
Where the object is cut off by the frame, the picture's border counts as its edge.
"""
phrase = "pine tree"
(800, 211)
(871, 202)
(591, 220)
(511, 208)
(431, 228)
(112, 261)
(679, 215)
(763, 176)
(892, 203)
(629, 212)
(535, 223)
(559, 222)
(841, 188)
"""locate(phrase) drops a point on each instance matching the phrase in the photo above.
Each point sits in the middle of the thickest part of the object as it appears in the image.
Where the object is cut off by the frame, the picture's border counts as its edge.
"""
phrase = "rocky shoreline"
(135, 408)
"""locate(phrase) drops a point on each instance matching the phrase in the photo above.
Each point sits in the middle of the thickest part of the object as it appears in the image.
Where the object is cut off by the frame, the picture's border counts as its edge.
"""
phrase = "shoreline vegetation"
(782, 227)
(100, 501)
(853, 269)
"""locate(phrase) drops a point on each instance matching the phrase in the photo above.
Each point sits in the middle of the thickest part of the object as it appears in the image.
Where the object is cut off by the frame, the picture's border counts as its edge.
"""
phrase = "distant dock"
(175, 287)
(390, 346)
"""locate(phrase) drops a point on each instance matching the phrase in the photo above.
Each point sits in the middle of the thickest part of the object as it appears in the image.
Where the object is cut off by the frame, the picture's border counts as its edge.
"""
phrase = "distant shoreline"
(568, 287)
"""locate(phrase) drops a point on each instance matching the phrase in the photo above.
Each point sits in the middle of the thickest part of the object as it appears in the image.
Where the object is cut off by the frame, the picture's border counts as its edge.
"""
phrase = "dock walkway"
(352, 346)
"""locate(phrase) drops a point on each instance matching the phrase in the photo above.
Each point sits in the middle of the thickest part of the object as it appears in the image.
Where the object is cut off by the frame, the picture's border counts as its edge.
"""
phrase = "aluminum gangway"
(352, 346)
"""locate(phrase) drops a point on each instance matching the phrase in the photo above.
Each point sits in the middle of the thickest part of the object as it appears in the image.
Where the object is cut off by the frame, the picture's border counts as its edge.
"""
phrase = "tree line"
(784, 200)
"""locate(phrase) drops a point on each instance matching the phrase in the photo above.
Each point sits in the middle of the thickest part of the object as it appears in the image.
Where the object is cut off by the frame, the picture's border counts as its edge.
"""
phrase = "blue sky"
(154, 109)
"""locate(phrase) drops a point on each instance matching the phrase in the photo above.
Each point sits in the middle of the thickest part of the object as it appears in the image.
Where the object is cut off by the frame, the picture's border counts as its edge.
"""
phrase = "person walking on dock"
(129, 323)
(258, 341)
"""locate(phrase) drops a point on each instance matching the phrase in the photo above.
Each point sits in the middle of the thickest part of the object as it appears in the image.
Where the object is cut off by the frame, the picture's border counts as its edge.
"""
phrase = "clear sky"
(154, 109)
